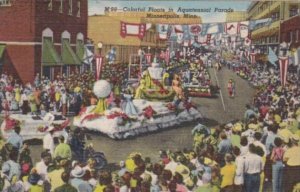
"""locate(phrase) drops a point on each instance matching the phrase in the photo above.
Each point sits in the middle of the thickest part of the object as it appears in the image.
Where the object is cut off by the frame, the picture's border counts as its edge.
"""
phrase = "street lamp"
(149, 49)
(99, 45)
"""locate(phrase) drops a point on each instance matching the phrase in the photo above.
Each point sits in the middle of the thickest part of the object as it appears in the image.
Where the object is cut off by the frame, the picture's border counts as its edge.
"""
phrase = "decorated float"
(198, 84)
(151, 109)
(34, 126)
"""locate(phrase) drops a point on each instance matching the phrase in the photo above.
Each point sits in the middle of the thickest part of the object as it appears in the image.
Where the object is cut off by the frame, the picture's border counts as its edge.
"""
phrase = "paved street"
(179, 137)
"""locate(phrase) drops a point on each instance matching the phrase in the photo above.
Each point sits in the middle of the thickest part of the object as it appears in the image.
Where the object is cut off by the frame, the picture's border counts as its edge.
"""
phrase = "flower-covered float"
(34, 126)
(197, 81)
(135, 116)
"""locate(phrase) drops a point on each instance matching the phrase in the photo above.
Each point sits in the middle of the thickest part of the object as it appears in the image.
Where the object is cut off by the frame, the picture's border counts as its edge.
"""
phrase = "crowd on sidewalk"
(239, 156)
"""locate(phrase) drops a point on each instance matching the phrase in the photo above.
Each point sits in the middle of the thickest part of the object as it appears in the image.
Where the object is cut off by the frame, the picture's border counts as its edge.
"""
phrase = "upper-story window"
(61, 8)
(70, 12)
(50, 5)
(5, 3)
(293, 11)
(78, 8)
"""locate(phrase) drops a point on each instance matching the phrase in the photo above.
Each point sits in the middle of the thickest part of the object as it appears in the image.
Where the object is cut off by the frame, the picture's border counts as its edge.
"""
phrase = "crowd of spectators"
(243, 155)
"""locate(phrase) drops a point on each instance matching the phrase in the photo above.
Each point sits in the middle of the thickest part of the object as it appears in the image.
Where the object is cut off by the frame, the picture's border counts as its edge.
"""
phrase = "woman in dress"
(128, 106)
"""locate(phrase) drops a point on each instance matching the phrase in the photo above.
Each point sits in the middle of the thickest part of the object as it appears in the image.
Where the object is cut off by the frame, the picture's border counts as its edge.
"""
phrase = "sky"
(97, 6)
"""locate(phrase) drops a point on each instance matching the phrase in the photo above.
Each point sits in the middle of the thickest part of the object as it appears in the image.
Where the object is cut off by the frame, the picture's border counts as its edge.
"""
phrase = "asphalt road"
(178, 137)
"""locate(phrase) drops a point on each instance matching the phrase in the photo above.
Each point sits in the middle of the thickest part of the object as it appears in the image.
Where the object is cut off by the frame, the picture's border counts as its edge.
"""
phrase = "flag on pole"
(272, 57)
(283, 64)
(148, 58)
(88, 56)
(99, 62)
(252, 58)
(264, 22)
(167, 56)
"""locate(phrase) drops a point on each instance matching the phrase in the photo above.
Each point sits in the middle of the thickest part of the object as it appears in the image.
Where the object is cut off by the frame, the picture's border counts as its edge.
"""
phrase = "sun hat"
(78, 172)
(295, 138)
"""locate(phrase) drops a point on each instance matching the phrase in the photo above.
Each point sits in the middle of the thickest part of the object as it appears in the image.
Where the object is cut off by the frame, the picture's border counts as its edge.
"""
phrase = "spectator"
(66, 187)
(227, 174)
(292, 159)
(277, 165)
(63, 150)
(10, 167)
(48, 140)
(253, 168)
(16, 139)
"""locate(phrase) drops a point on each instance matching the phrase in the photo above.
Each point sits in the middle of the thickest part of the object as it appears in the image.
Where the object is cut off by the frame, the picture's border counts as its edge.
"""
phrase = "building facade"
(236, 16)
(42, 37)
(290, 31)
(268, 35)
(106, 29)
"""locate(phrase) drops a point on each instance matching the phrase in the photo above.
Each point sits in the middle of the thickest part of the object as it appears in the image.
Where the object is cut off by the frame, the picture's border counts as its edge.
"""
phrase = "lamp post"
(99, 45)
(99, 61)
(149, 49)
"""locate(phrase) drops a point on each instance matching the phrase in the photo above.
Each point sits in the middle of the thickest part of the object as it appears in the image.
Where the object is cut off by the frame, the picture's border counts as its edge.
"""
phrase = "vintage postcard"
(149, 95)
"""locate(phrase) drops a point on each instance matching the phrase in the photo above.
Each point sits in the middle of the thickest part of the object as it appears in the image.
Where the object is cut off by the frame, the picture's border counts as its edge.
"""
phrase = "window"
(61, 6)
(297, 35)
(5, 3)
(70, 7)
(291, 36)
(275, 16)
(78, 8)
(50, 5)
(293, 11)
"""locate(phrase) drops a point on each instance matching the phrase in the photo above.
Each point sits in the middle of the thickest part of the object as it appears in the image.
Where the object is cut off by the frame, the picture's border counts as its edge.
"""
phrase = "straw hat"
(78, 172)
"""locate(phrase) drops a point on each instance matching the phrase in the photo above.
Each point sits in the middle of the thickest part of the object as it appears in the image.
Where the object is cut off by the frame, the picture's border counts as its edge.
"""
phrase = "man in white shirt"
(42, 166)
(253, 166)
(48, 142)
(258, 143)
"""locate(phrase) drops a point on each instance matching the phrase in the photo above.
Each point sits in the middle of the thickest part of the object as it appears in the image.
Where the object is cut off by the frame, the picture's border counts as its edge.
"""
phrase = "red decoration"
(117, 114)
(90, 117)
(149, 112)
(82, 111)
(171, 107)
(283, 64)
(188, 105)
(10, 123)
(99, 65)
(148, 58)
(132, 29)
(252, 58)
(57, 127)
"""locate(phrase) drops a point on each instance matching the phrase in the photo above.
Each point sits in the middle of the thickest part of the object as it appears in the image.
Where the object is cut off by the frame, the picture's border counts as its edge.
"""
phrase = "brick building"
(45, 37)
(290, 31)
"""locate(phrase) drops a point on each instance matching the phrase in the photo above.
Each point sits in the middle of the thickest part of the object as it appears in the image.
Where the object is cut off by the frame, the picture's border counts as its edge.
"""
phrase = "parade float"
(149, 109)
(33, 126)
(198, 83)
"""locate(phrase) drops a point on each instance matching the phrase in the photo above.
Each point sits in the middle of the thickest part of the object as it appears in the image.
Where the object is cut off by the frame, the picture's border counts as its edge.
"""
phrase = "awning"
(80, 50)
(2, 48)
(49, 55)
(68, 55)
